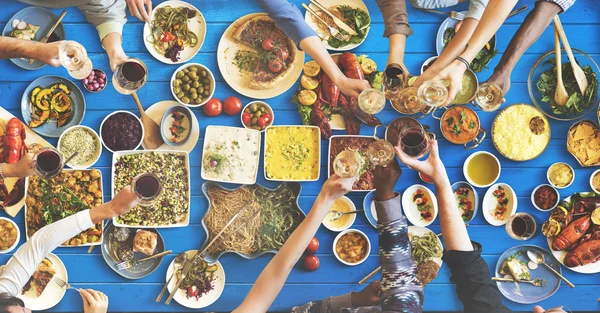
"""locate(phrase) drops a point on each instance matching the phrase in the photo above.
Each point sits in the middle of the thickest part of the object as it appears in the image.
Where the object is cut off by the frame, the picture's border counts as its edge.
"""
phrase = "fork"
(452, 14)
(334, 32)
(63, 284)
(127, 264)
(538, 282)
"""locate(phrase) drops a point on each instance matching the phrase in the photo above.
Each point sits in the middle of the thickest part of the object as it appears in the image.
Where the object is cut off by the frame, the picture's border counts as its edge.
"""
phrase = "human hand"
(385, 180)
(93, 301)
(502, 80)
(124, 201)
(23, 168)
(48, 53)
(136, 8)
(453, 76)
(369, 296)
(539, 309)
(117, 59)
(351, 87)
(432, 167)
(335, 187)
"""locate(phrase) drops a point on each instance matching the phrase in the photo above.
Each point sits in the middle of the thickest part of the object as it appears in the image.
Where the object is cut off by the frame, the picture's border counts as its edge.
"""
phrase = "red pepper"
(192, 291)
(167, 37)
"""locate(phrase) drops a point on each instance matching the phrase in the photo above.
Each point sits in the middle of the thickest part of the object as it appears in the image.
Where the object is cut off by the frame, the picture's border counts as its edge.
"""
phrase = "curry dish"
(460, 124)
(292, 153)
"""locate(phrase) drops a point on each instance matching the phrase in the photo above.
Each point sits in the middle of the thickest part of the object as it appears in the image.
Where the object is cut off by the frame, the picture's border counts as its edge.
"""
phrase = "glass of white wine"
(380, 152)
(371, 100)
(433, 93)
(347, 164)
(489, 97)
(73, 56)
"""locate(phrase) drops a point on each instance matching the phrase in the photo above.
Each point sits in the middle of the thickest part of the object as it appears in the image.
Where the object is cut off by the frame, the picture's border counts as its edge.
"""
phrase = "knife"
(336, 20)
(45, 39)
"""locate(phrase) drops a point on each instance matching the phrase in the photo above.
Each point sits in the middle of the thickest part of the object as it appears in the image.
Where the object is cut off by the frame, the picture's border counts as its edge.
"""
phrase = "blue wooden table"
(582, 24)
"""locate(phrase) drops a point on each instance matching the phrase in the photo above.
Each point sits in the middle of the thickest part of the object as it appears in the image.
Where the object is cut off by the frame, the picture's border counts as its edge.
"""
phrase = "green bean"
(425, 247)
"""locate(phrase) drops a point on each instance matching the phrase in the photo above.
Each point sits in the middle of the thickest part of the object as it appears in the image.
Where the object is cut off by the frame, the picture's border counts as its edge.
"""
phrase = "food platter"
(197, 25)
(491, 201)
(275, 153)
(156, 111)
(584, 147)
(365, 182)
(53, 294)
(526, 293)
(314, 24)
(238, 80)
(419, 205)
(50, 128)
(426, 272)
(205, 300)
(38, 16)
(467, 199)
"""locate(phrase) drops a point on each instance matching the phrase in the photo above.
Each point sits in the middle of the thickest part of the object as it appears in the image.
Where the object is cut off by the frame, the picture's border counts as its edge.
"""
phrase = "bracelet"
(1, 173)
(467, 64)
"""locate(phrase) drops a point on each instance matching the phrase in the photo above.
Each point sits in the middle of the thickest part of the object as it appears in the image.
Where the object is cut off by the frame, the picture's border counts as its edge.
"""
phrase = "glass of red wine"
(130, 76)
(48, 163)
(147, 187)
(414, 141)
(521, 226)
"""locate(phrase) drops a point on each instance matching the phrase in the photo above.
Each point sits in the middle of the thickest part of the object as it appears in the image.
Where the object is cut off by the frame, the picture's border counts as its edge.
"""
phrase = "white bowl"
(18, 236)
(350, 221)
(351, 230)
(98, 147)
(553, 185)
(115, 112)
(557, 197)
(591, 178)
(410, 208)
(269, 108)
(466, 174)
(490, 202)
(428, 62)
(211, 78)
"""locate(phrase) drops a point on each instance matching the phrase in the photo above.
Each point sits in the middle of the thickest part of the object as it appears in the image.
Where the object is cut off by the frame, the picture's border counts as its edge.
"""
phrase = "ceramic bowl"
(113, 113)
(14, 245)
(97, 153)
(165, 124)
(337, 238)
(350, 221)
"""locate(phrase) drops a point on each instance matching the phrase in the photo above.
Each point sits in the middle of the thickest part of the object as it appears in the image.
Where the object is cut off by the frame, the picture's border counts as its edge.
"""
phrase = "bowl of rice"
(83, 140)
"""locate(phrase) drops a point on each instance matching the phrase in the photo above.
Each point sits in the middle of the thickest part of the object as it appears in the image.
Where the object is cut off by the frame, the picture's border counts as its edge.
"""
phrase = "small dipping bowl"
(97, 76)
(351, 219)
(596, 172)
(552, 183)
(165, 125)
(269, 110)
(545, 186)
(466, 172)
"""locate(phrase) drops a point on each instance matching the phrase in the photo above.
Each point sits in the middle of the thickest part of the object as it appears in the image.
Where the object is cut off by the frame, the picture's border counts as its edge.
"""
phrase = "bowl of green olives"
(257, 115)
(192, 84)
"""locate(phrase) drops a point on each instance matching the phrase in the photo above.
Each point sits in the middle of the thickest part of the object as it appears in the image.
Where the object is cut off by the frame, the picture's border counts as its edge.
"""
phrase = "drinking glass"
(130, 76)
(371, 101)
(74, 58)
(489, 97)
(380, 152)
(414, 141)
(147, 187)
(48, 163)
(433, 93)
(347, 164)
(407, 101)
(520, 226)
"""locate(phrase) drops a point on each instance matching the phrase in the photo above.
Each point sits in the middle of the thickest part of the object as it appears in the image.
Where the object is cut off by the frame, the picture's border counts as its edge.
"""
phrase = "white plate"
(205, 300)
(196, 25)
(212, 131)
(490, 202)
(318, 131)
(97, 243)
(308, 18)
(156, 112)
(410, 208)
(238, 80)
(119, 154)
(52, 294)
(420, 231)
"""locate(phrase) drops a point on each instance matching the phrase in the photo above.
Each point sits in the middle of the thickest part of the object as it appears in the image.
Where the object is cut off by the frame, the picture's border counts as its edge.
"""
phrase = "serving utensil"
(152, 137)
(334, 32)
(538, 258)
(538, 282)
(63, 284)
(45, 39)
(336, 215)
(180, 260)
(517, 11)
(336, 20)
(560, 95)
(71, 157)
(582, 81)
(127, 264)
(452, 14)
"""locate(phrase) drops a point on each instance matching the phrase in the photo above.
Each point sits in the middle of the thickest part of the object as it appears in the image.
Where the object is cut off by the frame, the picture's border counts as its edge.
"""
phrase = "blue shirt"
(287, 17)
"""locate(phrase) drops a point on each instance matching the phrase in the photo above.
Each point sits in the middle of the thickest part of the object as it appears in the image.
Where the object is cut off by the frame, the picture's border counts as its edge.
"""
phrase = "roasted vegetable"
(39, 119)
(34, 92)
(61, 102)
(44, 98)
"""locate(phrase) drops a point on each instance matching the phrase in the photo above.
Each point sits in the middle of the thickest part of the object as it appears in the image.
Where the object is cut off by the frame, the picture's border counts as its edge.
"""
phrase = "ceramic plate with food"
(419, 205)
(520, 132)
(156, 112)
(426, 252)
(354, 13)
(583, 143)
(337, 144)
(204, 290)
(33, 23)
(515, 263)
(177, 32)
(51, 294)
(292, 153)
(242, 52)
(499, 203)
(51, 104)
(230, 154)
(351, 247)
(467, 199)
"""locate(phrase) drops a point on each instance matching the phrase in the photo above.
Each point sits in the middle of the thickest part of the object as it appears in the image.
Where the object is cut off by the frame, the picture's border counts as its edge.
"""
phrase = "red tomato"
(167, 37)
(192, 291)
(262, 122)
(275, 65)
(232, 105)
(268, 44)
(213, 107)
(313, 246)
(311, 262)
(246, 119)
(282, 53)
(267, 117)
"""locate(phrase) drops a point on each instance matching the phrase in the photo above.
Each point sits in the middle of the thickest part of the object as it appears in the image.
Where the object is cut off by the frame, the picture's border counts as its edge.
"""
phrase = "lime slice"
(596, 217)
(412, 80)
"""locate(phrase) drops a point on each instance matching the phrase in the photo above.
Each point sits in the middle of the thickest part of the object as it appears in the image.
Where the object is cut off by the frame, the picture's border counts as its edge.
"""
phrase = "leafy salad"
(482, 58)
(355, 18)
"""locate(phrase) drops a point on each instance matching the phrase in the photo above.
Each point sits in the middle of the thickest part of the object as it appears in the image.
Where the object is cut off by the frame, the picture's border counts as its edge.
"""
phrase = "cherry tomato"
(268, 44)
(246, 118)
(275, 65)
(232, 105)
(313, 246)
(192, 291)
(311, 262)
(267, 117)
(282, 53)
(213, 107)
(167, 37)
(262, 122)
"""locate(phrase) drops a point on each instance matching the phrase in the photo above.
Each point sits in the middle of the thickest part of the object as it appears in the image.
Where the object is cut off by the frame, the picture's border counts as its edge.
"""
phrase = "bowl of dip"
(83, 140)
(344, 205)
(560, 175)
(176, 125)
(545, 197)
(482, 169)
(595, 181)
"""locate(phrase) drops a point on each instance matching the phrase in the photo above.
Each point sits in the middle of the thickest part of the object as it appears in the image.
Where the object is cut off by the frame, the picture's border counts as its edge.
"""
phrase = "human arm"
(23, 168)
(27, 258)
(19, 48)
(368, 296)
(397, 29)
(141, 9)
(273, 277)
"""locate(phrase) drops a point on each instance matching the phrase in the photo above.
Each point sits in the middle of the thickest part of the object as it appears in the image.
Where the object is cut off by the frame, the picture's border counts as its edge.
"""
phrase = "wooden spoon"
(582, 81)
(560, 95)
(152, 138)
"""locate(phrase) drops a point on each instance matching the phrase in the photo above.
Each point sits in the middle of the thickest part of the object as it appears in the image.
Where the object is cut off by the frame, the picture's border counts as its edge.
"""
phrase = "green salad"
(356, 18)
(482, 58)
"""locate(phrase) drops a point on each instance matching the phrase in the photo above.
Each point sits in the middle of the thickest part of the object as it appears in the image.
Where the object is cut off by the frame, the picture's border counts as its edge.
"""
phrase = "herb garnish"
(358, 20)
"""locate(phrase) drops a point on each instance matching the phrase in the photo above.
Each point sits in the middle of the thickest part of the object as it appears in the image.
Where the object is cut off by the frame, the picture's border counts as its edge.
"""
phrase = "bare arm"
(112, 43)
(18, 48)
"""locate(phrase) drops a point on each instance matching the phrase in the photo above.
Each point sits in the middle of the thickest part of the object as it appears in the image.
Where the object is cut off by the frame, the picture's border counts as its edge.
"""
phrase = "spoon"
(152, 138)
(71, 157)
(336, 215)
(180, 260)
(582, 81)
(560, 95)
(538, 258)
